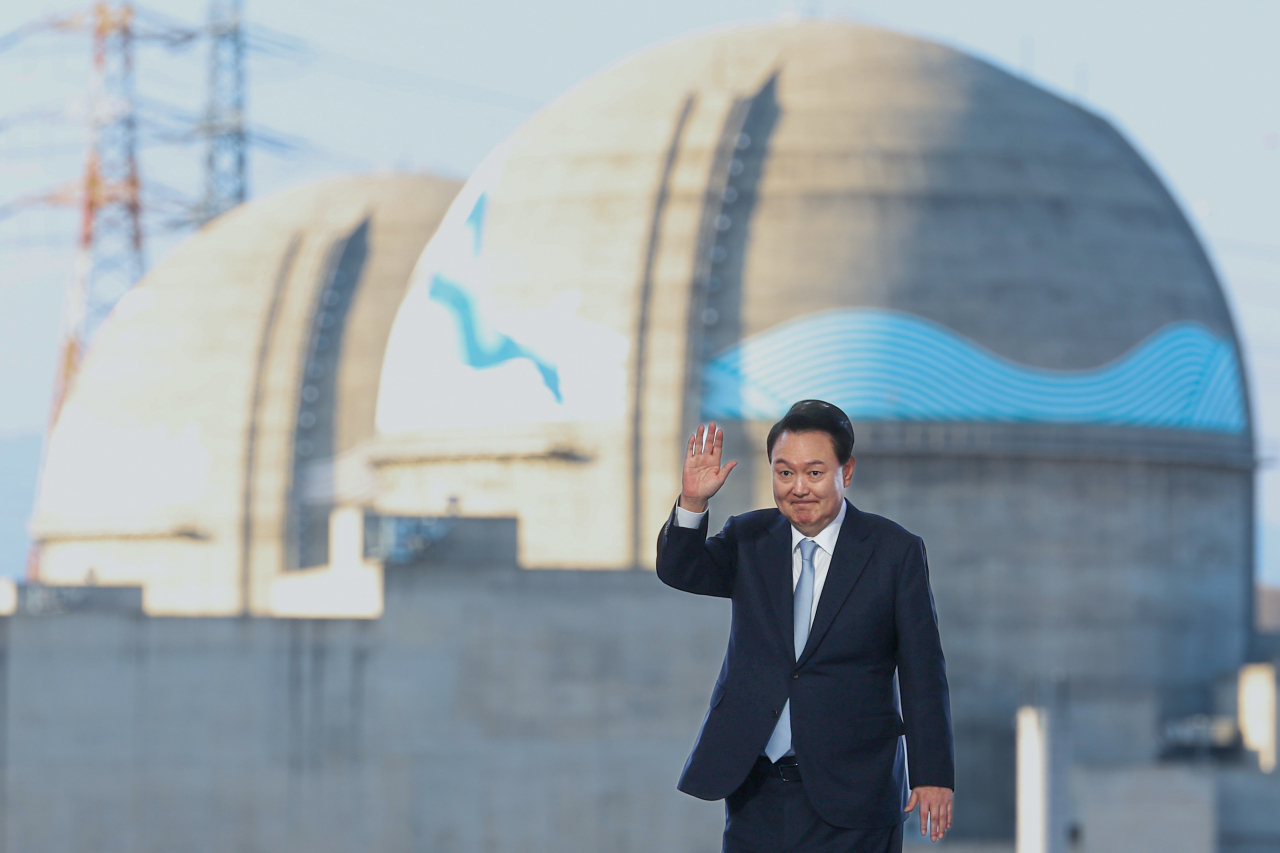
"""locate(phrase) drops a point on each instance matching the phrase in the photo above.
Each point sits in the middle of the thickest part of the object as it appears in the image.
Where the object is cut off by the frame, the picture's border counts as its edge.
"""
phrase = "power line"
(61, 241)
(223, 125)
(38, 151)
(280, 44)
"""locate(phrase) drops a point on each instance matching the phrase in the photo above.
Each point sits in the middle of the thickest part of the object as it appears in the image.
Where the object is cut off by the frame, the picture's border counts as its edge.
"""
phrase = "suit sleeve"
(689, 561)
(922, 675)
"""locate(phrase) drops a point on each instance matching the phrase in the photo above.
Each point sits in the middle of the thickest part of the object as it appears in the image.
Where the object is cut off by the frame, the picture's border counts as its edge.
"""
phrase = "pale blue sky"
(1194, 85)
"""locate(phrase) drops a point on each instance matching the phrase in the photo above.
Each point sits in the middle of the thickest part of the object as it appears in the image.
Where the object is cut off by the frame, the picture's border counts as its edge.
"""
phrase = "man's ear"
(847, 470)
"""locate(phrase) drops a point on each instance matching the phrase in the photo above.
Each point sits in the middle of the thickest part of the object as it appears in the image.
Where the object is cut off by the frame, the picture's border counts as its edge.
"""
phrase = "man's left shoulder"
(886, 530)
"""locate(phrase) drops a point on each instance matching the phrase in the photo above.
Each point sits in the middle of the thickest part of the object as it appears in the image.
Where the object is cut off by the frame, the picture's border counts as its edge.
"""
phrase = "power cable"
(36, 152)
(283, 45)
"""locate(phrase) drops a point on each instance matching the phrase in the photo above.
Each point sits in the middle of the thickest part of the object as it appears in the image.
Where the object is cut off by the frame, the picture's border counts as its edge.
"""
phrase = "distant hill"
(19, 464)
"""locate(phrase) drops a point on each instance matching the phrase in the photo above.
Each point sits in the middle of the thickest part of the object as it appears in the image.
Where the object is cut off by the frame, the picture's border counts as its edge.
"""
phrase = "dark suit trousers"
(769, 814)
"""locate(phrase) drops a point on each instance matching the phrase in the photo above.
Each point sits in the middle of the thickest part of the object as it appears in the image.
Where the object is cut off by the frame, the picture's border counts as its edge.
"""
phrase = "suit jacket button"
(774, 712)
(795, 675)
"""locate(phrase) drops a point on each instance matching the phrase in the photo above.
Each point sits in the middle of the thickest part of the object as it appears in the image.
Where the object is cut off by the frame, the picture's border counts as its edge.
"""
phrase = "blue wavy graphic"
(882, 365)
(483, 347)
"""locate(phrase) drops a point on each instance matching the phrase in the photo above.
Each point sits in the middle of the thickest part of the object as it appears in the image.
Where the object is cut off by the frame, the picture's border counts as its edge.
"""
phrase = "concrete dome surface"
(674, 239)
(1040, 363)
(200, 448)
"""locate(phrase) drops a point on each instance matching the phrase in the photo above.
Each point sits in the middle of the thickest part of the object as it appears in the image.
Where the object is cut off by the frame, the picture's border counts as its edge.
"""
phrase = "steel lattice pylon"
(110, 255)
(226, 154)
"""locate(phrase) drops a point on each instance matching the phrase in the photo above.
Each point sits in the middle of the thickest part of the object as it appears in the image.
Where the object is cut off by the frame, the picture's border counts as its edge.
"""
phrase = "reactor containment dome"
(207, 438)
(1041, 366)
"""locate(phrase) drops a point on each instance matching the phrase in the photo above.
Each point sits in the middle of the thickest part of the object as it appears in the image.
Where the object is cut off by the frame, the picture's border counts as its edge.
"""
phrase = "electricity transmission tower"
(108, 195)
(111, 252)
(226, 151)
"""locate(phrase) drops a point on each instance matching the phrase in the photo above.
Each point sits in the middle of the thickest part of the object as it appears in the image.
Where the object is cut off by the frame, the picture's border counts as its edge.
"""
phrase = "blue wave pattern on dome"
(882, 365)
(483, 347)
(481, 351)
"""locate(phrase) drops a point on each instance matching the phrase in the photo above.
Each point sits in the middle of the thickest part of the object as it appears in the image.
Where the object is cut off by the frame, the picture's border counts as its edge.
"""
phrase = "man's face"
(808, 482)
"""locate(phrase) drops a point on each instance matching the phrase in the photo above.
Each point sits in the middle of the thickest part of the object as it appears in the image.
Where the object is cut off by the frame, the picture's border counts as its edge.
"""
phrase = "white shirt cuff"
(685, 518)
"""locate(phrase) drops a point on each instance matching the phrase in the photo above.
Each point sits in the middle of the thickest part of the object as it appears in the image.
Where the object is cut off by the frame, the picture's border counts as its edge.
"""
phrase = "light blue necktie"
(801, 606)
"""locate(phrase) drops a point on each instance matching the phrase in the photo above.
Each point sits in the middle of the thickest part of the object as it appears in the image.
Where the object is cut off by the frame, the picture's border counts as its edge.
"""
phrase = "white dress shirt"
(821, 556)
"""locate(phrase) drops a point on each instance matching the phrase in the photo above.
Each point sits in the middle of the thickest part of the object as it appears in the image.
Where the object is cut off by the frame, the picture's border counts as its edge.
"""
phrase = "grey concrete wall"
(1248, 804)
(490, 709)
(497, 709)
(1127, 579)
(1145, 810)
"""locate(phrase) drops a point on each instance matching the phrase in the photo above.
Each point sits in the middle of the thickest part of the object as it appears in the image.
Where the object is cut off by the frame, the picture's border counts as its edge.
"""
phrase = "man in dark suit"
(803, 738)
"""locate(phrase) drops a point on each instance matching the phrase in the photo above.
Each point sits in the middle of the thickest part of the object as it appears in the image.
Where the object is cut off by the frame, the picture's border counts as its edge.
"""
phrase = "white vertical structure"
(1033, 780)
(349, 584)
(1256, 708)
(1040, 783)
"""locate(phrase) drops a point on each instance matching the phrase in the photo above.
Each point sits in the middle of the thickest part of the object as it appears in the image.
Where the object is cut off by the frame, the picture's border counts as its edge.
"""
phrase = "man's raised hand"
(703, 474)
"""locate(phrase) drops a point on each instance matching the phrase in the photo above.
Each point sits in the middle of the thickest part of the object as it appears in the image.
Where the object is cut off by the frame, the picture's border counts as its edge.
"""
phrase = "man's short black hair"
(816, 416)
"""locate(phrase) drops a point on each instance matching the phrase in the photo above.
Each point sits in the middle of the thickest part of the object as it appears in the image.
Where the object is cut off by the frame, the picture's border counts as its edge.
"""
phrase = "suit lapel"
(853, 550)
(775, 556)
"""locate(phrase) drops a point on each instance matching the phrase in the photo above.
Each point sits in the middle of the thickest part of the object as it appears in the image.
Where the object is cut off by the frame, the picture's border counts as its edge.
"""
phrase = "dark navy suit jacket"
(875, 617)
